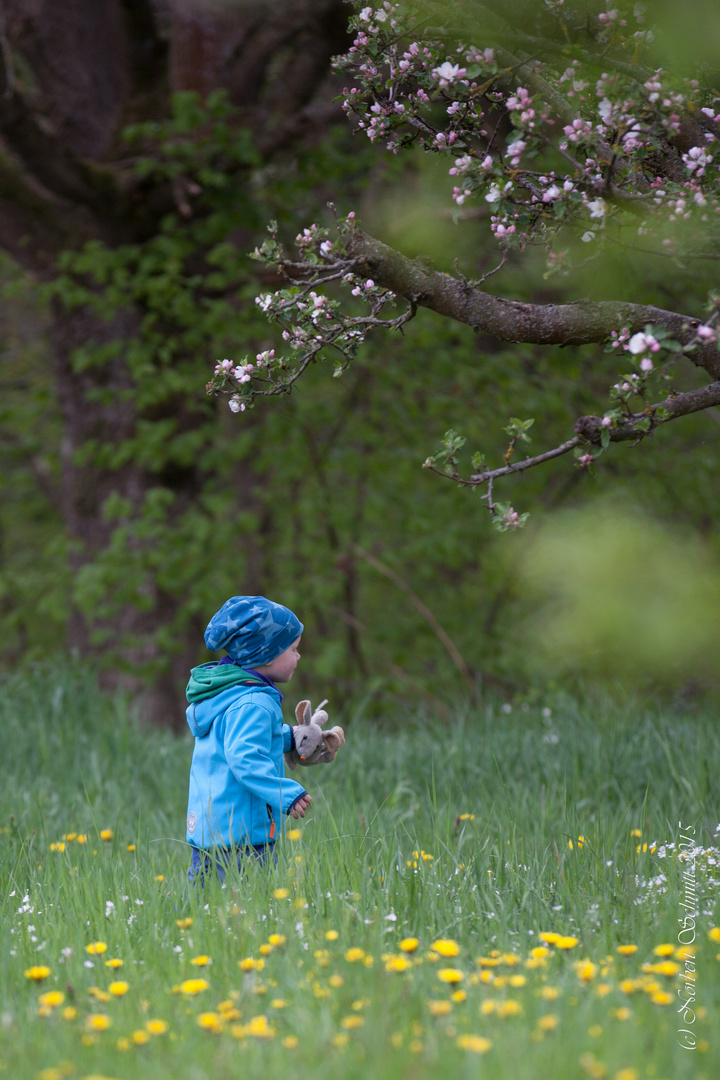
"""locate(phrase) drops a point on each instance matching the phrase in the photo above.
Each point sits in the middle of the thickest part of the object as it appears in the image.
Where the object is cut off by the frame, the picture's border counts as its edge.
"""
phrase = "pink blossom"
(640, 342)
(447, 73)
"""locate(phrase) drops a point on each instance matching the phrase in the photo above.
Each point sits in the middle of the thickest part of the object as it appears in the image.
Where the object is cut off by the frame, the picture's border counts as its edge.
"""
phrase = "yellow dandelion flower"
(290, 1042)
(409, 944)
(99, 1022)
(251, 964)
(82, 838)
(354, 955)
(459, 995)
(664, 950)
(37, 973)
(549, 937)
(550, 993)
(668, 968)
(602, 989)
(117, 989)
(294, 834)
(623, 1014)
(450, 975)
(466, 817)
(281, 894)
(69, 1012)
(96, 948)
(439, 1008)
(508, 1008)
(131, 847)
(277, 940)
(446, 947)
(278, 1003)
(123, 1043)
(260, 1028)
(477, 1044)
(595, 1031)
(159, 877)
(340, 1040)
(157, 1027)
(331, 935)
(70, 836)
(627, 1074)
(517, 980)
(51, 999)
(661, 997)
(594, 1068)
(140, 1037)
(57, 845)
(350, 1022)
(549, 1022)
(183, 924)
(539, 952)
(627, 950)
(98, 994)
(336, 980)
(585, 970)
(398, 963)
(106, 834)
(629, 986)
(201, 961)
(487, 1007)
(714, 933)
(567, 942)
(265, 950)
(116, 962)
(194, 986)
(211, 1021)
(637, 833)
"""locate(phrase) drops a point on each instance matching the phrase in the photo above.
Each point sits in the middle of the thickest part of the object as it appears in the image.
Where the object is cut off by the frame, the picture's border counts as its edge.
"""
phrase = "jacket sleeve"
(248, 739)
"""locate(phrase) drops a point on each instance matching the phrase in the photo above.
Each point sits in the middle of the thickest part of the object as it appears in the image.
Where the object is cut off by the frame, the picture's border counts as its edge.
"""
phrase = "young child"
(239, 794)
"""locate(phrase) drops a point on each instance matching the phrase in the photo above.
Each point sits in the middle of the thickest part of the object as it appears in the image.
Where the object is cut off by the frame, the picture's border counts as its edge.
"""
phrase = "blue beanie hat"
(252, 629)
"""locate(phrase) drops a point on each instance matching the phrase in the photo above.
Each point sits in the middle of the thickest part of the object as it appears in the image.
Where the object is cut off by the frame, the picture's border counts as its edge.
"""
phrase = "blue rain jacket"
(238, 791)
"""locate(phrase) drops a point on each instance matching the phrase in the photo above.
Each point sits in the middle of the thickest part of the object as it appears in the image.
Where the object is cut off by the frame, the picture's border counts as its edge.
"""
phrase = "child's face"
(282, 668)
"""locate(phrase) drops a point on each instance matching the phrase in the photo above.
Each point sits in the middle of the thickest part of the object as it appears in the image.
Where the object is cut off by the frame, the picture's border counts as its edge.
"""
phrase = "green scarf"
(207, 680)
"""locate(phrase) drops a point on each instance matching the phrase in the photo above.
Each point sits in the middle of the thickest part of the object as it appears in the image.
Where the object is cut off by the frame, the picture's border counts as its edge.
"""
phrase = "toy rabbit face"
(309, 734)
(312, 745)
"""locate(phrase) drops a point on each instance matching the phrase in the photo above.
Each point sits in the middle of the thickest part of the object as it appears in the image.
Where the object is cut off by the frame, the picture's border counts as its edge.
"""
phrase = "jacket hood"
(207, 680)
(201, 714)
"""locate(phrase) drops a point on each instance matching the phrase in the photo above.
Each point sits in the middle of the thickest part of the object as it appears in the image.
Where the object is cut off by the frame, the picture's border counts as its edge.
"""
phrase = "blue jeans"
(219, 859)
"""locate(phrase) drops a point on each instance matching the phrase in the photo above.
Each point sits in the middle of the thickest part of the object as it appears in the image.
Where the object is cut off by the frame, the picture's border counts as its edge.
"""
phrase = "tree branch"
(582, 322)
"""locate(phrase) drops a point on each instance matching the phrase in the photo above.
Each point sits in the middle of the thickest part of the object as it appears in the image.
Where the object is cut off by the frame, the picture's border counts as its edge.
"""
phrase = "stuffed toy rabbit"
(313, 746)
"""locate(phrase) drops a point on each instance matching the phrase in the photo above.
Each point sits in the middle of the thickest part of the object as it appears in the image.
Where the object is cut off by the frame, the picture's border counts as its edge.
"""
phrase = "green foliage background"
(292, 490)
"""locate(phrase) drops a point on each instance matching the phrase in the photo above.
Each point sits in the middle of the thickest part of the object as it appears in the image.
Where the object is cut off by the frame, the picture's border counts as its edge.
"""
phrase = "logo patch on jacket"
(191, 822)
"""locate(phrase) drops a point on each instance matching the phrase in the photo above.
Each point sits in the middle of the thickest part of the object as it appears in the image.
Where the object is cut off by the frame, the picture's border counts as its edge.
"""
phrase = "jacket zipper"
(272, 821)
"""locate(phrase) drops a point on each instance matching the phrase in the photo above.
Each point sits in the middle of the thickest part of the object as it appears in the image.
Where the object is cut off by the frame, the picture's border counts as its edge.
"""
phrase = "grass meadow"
(497, 898)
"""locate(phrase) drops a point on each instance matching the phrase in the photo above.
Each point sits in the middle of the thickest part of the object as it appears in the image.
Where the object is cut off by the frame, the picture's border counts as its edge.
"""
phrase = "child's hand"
(301, 806)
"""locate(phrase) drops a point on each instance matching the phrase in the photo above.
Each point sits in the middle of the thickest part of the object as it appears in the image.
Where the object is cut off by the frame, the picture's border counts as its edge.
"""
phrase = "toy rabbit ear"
(334, 739)
(302, 712)
(319, 717)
